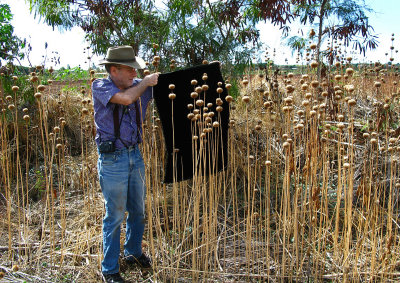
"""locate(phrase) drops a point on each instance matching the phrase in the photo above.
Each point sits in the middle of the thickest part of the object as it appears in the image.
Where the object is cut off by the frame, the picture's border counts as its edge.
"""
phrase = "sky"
(70, 45)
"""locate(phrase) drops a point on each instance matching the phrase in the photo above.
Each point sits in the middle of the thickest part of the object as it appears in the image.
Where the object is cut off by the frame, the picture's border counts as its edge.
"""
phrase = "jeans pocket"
(108, 158)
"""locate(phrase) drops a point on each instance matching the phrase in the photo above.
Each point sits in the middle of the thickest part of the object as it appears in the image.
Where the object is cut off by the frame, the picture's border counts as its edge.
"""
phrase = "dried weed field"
(310, 193)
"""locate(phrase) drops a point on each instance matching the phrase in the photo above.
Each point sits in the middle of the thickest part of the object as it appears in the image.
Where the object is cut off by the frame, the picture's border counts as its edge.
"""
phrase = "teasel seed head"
(219, 101)
(204, 87)
(172, 96)
(219, 108)
(377, 84)
(11, 107)
(26, 118)
(220, 90)
(193, 82)
(194, 95)
(25, 110)
(15, 88)
(34, 79)
(314, 64)
(229, 98)
(246, 99)
(349, 71)
(41, 87)
(209, 105)
(198, 89)
(290, 88)
(59, 146)
(228, 86)
(352, 102)
(204, 77)
(171, 86)
(199, 102)
(85, 111)
(304, 86)
(146, 72)
(56, 129)
(15, 78)
(315, 84)
(215, 124)
(346, 165)
(205, 62)
(245, 82)
(195, 138)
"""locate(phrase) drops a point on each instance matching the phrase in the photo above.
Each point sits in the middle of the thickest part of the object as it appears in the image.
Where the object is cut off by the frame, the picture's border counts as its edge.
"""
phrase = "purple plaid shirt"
(103, 90)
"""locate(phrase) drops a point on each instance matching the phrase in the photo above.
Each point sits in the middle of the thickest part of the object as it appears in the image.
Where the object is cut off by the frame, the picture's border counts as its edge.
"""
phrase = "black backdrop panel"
(174, 119)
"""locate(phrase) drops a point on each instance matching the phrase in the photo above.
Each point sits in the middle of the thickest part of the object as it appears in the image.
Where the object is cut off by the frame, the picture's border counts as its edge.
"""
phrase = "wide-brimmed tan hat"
(123, 55)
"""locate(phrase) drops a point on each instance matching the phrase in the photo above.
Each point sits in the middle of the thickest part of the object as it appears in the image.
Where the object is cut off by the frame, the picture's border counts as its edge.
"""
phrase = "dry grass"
(310, 192)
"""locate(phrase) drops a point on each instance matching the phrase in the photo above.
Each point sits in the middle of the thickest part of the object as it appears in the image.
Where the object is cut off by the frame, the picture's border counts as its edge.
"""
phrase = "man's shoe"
(113, 278)
(143, 261)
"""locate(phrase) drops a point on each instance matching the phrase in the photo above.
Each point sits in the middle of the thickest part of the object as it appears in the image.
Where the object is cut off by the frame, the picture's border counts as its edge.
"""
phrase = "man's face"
(123, 76)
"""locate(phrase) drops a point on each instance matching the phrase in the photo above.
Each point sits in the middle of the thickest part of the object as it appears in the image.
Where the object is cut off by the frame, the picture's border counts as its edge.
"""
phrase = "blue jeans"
(122, 181)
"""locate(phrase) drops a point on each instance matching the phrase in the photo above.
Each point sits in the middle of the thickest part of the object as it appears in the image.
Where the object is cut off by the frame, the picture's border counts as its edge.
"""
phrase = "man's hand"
(150, 80)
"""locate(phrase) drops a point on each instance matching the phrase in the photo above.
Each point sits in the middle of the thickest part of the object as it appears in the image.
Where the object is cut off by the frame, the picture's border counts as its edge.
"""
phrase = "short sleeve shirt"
(102, 91)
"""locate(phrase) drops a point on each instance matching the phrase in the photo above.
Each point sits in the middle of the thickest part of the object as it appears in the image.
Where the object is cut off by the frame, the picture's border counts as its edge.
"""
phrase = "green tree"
(10, 45)
(186, 30)
(347, 21)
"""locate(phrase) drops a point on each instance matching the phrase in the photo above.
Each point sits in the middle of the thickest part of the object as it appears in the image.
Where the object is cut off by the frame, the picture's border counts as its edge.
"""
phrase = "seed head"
(11, 107)
(199, 102)
(314, 64)
(171, 86)
(193, 82)
(205, 62)
(219, 108)
(290, 88)
(245, 82)
(198, 89)
(204, 87)
(219, 90)
(172, 96)
(209, 105)
(15, 88)
(228, 86)
(315, 84)
(377, 84)
(246, 99)
(14, 78)
(26, 118)
(219, 101)
(194, 95)
(204, 77)
(215, 124)
(15, 268)
(146, 72)
(229, 98)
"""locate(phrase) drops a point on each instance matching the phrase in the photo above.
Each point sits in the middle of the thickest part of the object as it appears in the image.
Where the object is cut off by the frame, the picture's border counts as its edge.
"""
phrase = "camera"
(106, 147)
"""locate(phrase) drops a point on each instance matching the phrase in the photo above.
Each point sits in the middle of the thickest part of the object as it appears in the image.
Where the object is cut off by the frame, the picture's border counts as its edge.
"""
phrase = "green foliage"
(187, 31)
(71, 74)
(10, 45)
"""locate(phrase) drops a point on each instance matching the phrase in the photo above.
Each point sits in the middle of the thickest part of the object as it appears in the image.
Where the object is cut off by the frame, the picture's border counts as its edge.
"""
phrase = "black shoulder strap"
(116, 122)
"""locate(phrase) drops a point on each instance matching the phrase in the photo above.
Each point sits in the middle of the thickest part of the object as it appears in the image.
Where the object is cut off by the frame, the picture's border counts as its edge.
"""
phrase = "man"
(120, 103)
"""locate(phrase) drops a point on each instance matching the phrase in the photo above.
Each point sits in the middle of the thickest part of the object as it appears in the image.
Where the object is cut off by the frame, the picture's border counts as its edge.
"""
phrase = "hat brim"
(139, 63)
